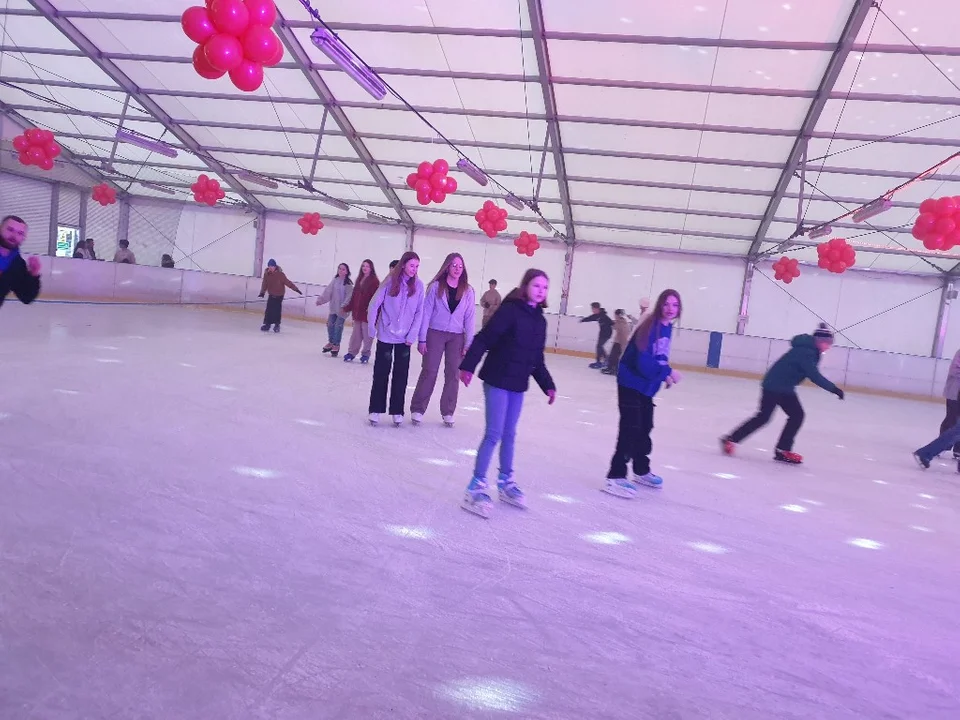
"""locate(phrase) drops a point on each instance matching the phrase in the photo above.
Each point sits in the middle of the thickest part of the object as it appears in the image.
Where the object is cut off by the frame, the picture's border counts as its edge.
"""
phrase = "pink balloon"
(423, 198)
(36, 154)
(262, 12)
(928, 206)
(946, 206)
(203, 67)
(438, 195)
(277, 58)
(935, 242)
(493, 213)
(927, 219)
(412, 180)
(823, 262)
(501, 225)
(441, 166)
(480, 216)
(20, 143)
(486, 227)
(223, 52)
(197, 25)
(248, 77)
(451, 185)
(423, 186)
(425, 169)
(46, 163)
(788, 279)
(952, 239)
(259, 44)
(438, 181)
(53, 149)
(487, 204)
(230, 16)
(46, 137)
(34, 136)
(945, 225)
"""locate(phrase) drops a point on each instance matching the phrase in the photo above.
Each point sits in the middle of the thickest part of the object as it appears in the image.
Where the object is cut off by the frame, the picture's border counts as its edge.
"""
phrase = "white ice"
(173, 549)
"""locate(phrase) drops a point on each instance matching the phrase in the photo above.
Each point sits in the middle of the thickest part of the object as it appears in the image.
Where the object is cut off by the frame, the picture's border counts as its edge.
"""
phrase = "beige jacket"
(490, 301)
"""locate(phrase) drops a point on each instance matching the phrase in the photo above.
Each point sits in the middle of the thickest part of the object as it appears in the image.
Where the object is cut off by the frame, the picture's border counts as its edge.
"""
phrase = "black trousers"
(272, 315)
(397, 357)
(605, 335)
(951, 419)
(614, 360)
(769, 401)
(633, 439)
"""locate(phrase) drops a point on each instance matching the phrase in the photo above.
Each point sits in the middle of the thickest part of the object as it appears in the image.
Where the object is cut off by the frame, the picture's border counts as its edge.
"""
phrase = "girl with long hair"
(446, 331)
(363, 292)
(514, 341)
(395, 313)
(643, 369)
(337, 293)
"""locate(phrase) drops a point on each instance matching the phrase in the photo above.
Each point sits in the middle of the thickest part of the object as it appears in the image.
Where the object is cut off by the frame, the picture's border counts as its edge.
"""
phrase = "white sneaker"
(448, 420)
(397, 420)
(417, 418)
(374, 418)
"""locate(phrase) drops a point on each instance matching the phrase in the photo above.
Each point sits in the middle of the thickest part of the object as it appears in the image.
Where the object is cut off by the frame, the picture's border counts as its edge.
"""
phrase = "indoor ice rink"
(198, 520)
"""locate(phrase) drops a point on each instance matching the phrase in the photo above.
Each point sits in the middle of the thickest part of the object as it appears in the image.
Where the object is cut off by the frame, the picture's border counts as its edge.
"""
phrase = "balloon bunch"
(527, 244)
(310, 223)
(491, 219)
(37, 147)
(938, 225)
(431, 182)
(836, 255)
(786, 269)
(207, 191)
(104, 194)
(236, 37)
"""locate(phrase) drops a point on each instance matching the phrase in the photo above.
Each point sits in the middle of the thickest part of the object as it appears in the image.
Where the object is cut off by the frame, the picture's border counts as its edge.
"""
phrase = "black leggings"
(789, 403)
(951, 419)
(398, 356)
(633, 439)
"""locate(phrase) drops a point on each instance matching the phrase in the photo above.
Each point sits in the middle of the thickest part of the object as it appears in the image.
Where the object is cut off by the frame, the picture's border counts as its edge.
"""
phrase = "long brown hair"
(653, 319)
(440, 278)
(395, 276)
(372, 278)
(520, 292)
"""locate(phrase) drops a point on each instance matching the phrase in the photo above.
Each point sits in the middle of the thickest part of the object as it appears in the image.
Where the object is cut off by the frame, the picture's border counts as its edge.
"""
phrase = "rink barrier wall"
(871, 371)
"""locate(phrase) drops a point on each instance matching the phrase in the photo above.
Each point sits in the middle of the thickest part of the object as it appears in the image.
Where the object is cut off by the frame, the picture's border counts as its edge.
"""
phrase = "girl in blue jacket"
(643, 369)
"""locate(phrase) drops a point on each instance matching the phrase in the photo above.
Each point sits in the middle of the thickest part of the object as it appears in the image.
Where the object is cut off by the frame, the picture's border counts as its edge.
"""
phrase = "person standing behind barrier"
(490, 301)
(363, 292)
(337, 293)
(18, 276)
(446, 331)
(274, 283)
(124, 254)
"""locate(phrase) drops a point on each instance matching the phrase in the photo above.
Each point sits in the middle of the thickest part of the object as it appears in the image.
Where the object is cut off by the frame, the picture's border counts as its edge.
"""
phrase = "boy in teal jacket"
(779, 388)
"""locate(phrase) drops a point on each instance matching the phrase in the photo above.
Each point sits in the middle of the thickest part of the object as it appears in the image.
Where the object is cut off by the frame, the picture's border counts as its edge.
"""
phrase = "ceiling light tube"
(513, 201)
(258, 179)
(373, 217)
(158, 188)
(871, 210)
(331, 46)
(819, 231)
(338, 204)
(145, 143)
(472, 172)
(545, 225)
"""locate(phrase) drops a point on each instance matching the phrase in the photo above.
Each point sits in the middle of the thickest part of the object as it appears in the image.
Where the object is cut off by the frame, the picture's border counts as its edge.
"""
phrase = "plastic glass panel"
(898, 74)
(781, 69)
(909, 263)
(650, 105)
(715, 245)
(278, 142)
(603, 192)
(70, 97)
(650, 17)
(416, 152)
(891, 118)
(918, 18)
(56, 67)
(614, 167)
(490, 14)
(630, 218)
(844, 185)
(630, 238)
(635, 139)
(67, 123)
(403, 122)
(746, 110)
(790, 21)
(136, 36)
(36, 32)
(253, 113)
(877, 156)
(725, 201)
(733, 146)
(734, 176)
(727, 226)
(631, 62)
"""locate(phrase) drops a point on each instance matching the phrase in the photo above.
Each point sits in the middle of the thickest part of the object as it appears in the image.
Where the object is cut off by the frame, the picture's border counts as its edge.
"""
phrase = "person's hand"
(422, 348)
(552, 395)
(317, 303)
(466, 378)
(676, 377)
(34, 266)
(839, 393)
(669, 382)
(260, 295)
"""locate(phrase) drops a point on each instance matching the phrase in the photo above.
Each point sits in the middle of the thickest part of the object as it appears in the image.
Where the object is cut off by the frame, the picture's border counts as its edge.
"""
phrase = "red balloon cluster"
(491, 219)
(233, 36)
(37, 147)
(527, 244)
(836, 255)
(431, 182)
(938, 225)
(786, 269)
(310, 223)
(104, 194)
(207, 191)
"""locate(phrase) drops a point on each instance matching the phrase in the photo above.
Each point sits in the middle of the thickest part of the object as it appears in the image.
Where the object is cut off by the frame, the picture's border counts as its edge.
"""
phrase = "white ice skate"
(511, 494)
(620, 487)
(397, 420)
(374, 419)
(476, 500)
(448, 420)
(416, 418)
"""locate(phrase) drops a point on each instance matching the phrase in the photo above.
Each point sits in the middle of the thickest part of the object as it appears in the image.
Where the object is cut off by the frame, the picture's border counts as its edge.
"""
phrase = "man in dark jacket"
(19, 276)
(606, 332)
(780, 389)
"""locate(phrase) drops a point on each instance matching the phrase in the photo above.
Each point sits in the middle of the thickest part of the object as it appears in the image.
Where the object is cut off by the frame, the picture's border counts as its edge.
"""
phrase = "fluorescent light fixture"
(158, 188)
(338, 204)
(125, 136)
(513, 201)
(545, 225)
(258, 179)
(373, 217)
(472, 172)
(331, 46)
(871, 210)
(819, 231)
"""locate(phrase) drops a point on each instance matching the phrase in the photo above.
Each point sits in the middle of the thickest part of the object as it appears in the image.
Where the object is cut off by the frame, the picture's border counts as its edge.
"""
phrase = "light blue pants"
(335, 328)
(503, 413)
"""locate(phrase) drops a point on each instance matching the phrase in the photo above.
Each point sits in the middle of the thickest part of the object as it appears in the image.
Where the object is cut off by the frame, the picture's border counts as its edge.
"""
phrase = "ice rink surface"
(196, 522)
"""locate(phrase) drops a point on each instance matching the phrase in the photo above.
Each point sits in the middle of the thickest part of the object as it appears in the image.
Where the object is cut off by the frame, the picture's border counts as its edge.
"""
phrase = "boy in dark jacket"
(274, 284)
(606, 332)
(780, 389)
(18, 276)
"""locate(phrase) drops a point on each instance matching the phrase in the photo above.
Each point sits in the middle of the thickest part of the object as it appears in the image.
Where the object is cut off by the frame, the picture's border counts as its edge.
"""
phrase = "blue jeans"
(335, 328)
(503, 413)
(946, 441)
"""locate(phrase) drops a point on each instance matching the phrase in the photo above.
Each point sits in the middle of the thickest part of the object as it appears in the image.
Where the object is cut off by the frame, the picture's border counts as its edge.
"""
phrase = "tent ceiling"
(677, 138)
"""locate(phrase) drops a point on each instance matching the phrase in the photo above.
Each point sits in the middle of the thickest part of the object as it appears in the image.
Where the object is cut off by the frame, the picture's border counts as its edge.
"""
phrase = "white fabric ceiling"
(676, 122)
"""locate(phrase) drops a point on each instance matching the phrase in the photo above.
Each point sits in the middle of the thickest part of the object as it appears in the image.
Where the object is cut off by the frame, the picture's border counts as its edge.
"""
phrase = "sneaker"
(925, 464)
(397, 420)
(595, 366)
(510, 493)
(264, 328)
(621, 487)
(374, 419)
(650, 480)
(448, 420)
(276, 328)
(786, 456)
(416, 418)
(727, 446)
(348, 357)
(476, 500)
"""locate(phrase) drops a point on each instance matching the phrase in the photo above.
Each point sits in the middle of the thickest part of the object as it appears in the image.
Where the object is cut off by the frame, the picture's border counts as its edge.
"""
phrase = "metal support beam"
(325, 96)
(543, 164)
(858, 16)
(91, 51)
(567, 277)
(411, 237)
(54, 219)
(947, 295)
(316, 153)
(744, 315)
(261, 226)
(82, 220)
(123, 226)
(545, 74)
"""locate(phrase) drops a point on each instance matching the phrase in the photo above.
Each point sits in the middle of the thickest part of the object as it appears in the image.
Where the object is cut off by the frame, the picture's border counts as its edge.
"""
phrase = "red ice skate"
(785, 456)
(727, 446)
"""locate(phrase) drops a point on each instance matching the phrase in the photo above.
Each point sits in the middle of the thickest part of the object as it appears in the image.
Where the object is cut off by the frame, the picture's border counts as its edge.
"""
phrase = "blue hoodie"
(646, 371)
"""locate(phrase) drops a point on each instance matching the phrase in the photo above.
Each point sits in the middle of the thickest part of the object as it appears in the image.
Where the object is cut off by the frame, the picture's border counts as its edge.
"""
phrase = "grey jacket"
(337, 294)
(396, 319)
(951, 388)
(437, 315)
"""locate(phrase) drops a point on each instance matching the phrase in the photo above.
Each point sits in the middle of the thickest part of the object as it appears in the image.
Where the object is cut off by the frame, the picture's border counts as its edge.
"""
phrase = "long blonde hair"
(395, 276)
(440, 278)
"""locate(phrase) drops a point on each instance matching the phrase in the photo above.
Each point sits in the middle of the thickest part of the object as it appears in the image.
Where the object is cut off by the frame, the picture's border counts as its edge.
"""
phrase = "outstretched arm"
(25, 282)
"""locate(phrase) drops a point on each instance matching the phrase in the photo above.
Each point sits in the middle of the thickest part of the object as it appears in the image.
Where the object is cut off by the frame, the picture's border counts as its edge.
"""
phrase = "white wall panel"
(221, 240)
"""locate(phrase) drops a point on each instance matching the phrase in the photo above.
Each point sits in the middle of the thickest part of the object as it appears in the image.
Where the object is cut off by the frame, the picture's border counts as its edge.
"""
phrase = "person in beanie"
(622, 325)
(275, 284)
(18, 276)
(600, 316)
(779, 389)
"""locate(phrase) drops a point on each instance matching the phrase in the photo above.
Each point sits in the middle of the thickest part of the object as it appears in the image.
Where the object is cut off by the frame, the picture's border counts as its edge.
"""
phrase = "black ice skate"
(785, 456)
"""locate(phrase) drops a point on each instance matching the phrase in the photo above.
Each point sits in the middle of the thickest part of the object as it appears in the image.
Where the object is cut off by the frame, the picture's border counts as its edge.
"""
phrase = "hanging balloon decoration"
(431, 182)
(938, 224)
(207, 191)
(236, 37)
(37, 147)
(104, 194)
(836, 255)
(310, 223)
(491, 219)
(527, 244)
(786, 269)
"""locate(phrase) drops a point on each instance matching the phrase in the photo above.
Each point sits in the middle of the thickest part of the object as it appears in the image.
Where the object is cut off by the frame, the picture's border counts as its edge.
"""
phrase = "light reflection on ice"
(414, 533)
(708, 547)
(866, 544)
(606, 538)
(489, 694)
(253, 472)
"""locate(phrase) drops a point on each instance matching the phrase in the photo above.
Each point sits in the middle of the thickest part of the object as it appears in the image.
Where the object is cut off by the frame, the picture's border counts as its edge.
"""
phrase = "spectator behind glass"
(80, 251)
(91, 252)
(125, 254)
(166, 261)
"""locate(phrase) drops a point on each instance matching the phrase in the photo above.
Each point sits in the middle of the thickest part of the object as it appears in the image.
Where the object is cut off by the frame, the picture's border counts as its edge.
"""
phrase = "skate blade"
(448, 424)
(644, 483)
(479, 509)
(618, 492)
(522, 504)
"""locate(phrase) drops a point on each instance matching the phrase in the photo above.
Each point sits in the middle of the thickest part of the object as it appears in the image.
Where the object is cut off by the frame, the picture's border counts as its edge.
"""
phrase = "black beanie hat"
(823, 332)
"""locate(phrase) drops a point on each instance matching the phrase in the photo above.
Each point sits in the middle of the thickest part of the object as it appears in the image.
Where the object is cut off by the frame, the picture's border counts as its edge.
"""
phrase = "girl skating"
(780, 390)
(446, 331)
(363, 292)
(395, 314)
(337, 293)
(275, 284)
(514, 340)
(643, 369)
